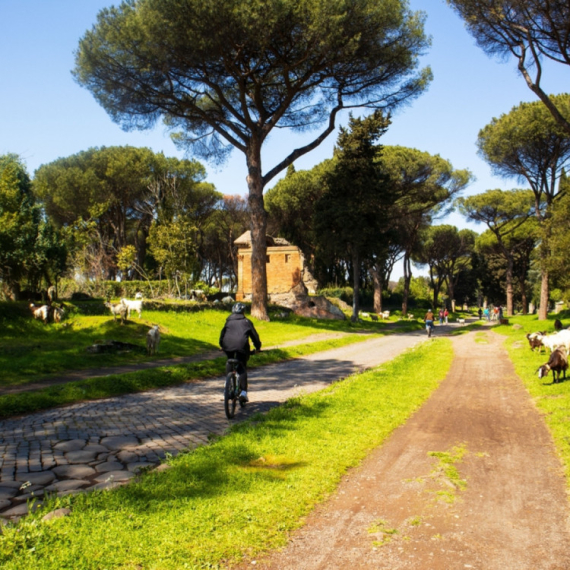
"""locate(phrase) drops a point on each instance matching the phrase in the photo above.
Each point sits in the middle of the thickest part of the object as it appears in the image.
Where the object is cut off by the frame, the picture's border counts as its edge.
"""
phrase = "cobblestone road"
(102, 444)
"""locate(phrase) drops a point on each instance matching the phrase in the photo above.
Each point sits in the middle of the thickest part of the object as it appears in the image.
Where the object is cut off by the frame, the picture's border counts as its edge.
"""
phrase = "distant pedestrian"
(487, 313)
(441, 316)
(446, 315)
(500, 313)
(480, 313)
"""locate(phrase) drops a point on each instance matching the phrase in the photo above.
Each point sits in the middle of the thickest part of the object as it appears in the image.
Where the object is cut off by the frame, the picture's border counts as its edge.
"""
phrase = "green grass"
(119, 384)
(30, 350)
(242, 494)
(553, 400)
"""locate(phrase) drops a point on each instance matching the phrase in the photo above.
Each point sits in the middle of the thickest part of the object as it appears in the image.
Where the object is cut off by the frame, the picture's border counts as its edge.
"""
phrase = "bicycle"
(232, 389)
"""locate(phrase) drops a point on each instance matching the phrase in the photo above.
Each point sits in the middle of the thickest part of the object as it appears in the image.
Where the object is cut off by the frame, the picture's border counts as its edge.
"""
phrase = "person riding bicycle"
(429, 320)
(234, 341)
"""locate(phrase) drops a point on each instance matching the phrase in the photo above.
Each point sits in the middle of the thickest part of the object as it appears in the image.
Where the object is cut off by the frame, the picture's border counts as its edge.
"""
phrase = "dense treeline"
(115, 212)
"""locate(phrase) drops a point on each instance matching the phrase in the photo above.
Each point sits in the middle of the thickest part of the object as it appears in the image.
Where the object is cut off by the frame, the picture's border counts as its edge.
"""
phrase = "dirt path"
(504, 508)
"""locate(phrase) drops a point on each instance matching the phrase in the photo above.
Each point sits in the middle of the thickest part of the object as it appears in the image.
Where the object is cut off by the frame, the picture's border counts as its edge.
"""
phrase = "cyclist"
(429, 321)
(234, 341)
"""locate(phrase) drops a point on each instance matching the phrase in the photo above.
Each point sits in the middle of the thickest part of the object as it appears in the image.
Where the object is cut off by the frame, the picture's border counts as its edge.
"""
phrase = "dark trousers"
(240, 369)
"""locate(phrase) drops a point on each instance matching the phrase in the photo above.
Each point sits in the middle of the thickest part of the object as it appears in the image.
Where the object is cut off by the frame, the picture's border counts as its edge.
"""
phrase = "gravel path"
(399, 510)
(101, 444)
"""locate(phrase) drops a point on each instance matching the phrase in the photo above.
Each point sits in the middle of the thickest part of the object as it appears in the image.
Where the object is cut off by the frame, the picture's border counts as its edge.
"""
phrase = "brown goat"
(535, 340)
(558, 362)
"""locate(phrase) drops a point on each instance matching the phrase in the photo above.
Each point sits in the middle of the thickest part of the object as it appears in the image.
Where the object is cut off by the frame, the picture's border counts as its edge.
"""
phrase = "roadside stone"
(67, 485)
(163, 467)
(75, 457)
(74, 471)
(109, 466)
(41, 478)
(115, 476)
(73, 445)
(4, 504)
(120, 442)
(136, 467)
(57, 514)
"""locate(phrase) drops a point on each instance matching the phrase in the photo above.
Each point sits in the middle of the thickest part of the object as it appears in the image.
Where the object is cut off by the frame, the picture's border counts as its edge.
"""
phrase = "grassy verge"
(30, 350)
(553, 400)
(240, 495)
(118, 384)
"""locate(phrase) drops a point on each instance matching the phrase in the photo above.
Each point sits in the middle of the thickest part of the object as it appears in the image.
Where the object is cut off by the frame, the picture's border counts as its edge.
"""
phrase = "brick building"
(285, 267)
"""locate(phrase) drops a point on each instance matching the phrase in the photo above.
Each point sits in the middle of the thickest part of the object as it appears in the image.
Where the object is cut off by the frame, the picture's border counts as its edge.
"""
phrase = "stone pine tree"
(349, 217)
(503, 213)
(225, 74)
(531, 31)
(529, 145)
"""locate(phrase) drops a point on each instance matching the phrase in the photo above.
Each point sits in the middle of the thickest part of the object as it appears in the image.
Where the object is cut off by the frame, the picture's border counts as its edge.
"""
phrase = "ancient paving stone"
(4, 504)
(96, 448)
(114, 476)
(75, 457)
(73, 445)
(120, 442)
(57, 514)
(28, 496)
(106, 485)
(11, 484)
(67, 485)
(108, 466)
(135, 467)
(20, 510)
(41, 478)
(7, 493)
(127, 456)
(74, 471)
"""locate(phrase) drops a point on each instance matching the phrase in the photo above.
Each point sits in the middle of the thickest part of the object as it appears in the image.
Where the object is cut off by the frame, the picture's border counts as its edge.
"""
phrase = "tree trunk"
(355, 286)
(377, 283)
(523, 297)
(509, 279)
(407, 280)
(258, 234)
(543, 309)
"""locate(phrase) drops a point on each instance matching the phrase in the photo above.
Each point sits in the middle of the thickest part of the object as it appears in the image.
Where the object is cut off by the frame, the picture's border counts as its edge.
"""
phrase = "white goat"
(58, 313)
(553, 341)
(133, 306)
(119, 309)
(41, 313)
(138, 296)
(152, 340)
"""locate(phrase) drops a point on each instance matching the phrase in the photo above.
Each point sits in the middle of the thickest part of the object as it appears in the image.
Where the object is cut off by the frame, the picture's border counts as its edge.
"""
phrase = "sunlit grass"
(241, 495)
(553, 400)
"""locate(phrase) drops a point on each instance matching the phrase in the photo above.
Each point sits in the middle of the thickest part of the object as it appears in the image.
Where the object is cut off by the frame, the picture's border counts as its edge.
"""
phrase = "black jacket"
(236, 334)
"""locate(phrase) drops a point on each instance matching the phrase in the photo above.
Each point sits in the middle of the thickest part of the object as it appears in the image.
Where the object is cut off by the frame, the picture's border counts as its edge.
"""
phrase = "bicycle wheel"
(230, 397)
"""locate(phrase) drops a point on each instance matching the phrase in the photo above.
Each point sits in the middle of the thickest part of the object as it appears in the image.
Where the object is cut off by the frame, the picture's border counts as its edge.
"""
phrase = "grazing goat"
(58, 313)
(118, 309)
(42, 313)
(374, 317)
(133, 306)
(139, 296)
(152, 340)
(558, 362)
(557, 325)
(535, 340)
(553, 341)
(386, 315)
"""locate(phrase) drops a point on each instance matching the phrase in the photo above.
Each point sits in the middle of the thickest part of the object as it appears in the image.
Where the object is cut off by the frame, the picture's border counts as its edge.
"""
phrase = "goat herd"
(559, 346)
(122, 309)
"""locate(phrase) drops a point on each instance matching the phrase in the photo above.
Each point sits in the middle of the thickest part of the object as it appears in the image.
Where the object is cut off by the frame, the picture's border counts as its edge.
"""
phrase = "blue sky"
(45, 115)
